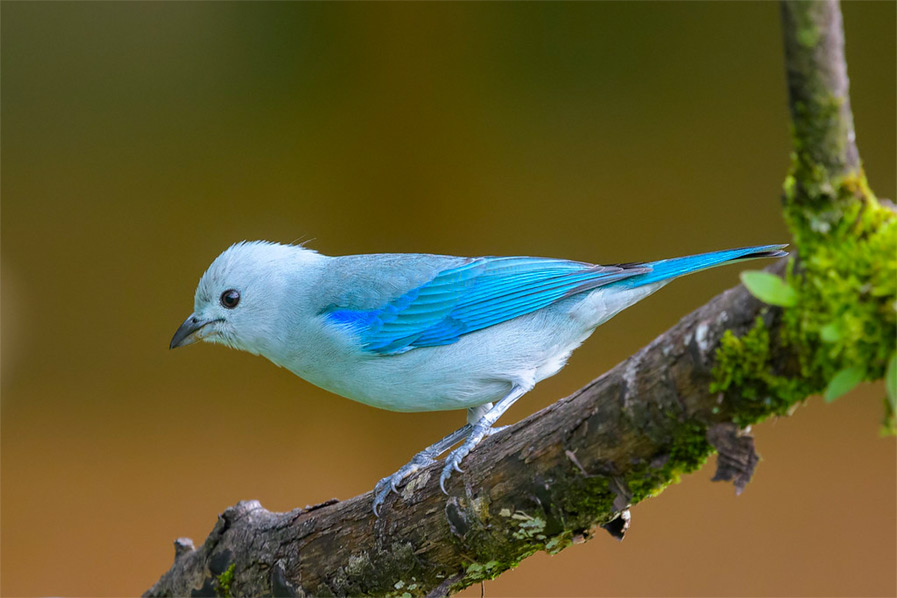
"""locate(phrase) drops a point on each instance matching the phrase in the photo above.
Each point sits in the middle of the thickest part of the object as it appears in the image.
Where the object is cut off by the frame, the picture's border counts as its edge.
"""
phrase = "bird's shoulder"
(370, 281)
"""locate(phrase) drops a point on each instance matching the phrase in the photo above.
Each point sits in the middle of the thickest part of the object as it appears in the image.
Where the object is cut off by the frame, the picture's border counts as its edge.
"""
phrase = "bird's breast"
(481, 367)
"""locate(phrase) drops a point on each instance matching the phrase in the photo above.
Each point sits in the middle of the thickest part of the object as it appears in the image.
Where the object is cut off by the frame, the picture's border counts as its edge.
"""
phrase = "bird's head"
(238, 301)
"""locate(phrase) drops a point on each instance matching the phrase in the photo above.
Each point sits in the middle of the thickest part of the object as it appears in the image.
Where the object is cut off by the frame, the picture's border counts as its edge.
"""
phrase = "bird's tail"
(679, 266)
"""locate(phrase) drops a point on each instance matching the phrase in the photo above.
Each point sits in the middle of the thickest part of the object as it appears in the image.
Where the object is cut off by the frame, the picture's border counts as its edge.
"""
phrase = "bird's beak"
(190, 331)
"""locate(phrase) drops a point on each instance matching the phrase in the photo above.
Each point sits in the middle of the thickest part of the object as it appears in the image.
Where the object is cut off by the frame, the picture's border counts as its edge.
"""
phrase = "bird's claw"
(453, 461)
(391, 483)
(426, 458)
(451, 464)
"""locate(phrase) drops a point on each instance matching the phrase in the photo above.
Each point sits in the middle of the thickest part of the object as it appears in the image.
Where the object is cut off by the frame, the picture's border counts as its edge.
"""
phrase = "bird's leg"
(418, 462)
(474, 414)
(481, 429)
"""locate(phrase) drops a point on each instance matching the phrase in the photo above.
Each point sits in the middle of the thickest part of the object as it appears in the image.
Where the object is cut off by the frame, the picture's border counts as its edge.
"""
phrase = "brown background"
(141, 139)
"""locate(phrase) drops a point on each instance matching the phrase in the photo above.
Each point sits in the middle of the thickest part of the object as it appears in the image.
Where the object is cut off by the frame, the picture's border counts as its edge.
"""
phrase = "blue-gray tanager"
(417, 332)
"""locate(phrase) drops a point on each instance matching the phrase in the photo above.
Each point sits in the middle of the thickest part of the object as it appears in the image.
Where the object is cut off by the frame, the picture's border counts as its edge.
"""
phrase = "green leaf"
(843, 382)
(830, 333)
(769, 288)
(891, 381)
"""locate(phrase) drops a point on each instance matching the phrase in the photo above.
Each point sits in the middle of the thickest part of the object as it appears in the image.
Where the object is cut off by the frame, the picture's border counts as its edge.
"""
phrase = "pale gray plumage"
(418, 332)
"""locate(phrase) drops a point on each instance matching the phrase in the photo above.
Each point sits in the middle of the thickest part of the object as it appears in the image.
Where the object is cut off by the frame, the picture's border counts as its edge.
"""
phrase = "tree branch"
(542, 485)
(550, 480)
(818, 88)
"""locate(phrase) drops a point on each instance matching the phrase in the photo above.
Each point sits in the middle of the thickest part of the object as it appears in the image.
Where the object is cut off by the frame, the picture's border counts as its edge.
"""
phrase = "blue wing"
(470, 297)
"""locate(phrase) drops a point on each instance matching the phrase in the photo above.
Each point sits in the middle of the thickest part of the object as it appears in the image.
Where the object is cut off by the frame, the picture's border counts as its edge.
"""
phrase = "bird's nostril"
(194, 319)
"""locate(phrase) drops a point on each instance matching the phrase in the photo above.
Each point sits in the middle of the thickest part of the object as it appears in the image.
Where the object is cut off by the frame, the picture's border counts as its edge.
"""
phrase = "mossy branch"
(842, 324)
(818, 88)
(552, 479)
(548, 482)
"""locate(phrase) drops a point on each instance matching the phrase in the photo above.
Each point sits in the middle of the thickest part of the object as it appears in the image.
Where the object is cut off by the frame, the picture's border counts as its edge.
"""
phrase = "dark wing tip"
(769, 251)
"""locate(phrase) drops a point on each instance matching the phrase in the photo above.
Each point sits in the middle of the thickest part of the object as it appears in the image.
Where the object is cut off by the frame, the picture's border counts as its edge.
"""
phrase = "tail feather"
(679, 266)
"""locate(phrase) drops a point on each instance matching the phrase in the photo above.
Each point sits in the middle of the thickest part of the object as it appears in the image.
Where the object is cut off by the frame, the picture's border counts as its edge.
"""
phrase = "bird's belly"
(481, 367)
(396, 383)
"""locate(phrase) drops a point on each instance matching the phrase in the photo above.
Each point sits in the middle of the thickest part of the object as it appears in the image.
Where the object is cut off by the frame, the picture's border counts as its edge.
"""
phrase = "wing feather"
(475, 295)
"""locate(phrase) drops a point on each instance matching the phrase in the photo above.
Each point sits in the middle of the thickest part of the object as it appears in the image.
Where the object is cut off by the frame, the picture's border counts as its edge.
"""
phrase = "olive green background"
(141, 139)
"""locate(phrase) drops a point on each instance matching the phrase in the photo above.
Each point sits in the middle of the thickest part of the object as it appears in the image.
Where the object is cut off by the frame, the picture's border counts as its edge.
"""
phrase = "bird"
(421, 332)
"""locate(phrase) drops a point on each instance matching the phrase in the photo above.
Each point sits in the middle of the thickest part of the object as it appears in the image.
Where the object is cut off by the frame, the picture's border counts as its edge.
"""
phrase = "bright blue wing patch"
(487, 291)
(473, 296)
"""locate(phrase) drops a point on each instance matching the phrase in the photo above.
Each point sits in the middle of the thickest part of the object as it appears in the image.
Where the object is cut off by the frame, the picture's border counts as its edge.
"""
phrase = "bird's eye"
(230, 298)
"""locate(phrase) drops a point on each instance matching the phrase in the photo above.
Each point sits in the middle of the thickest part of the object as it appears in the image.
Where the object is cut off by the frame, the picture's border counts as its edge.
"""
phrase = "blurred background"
(141, 139)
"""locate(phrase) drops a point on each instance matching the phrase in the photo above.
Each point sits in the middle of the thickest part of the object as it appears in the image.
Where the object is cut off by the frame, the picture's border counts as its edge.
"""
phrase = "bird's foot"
(492, 431)
(453, 461)
(391, 483)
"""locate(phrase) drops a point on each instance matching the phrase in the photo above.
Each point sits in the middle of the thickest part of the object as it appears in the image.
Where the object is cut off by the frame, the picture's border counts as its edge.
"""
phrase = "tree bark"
(818, 87)
(552, 479)
(543, 484)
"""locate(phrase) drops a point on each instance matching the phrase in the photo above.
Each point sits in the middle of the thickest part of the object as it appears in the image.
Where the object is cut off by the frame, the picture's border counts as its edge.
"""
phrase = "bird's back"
(372, 280)
(471, 369)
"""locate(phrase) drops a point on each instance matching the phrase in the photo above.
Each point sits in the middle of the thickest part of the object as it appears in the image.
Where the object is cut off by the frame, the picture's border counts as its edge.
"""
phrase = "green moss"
(528, 527)
(845, 315)
(745, 364)
(479, 572)
(584, 497)
(581, 498)
(366, 573)
(224, 582)
(689, 450)
(475, 572)
(806, 30)
(559, 542)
